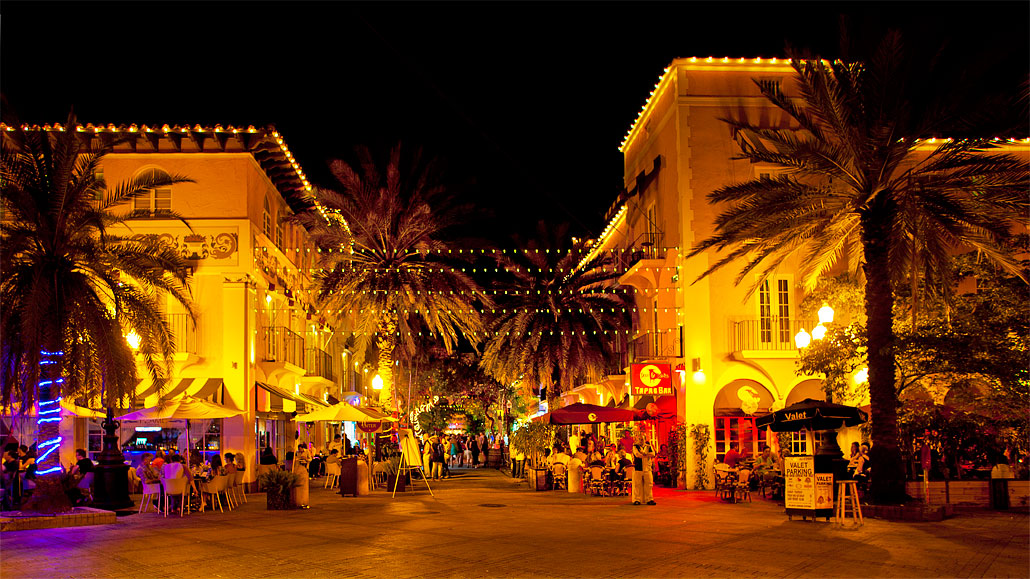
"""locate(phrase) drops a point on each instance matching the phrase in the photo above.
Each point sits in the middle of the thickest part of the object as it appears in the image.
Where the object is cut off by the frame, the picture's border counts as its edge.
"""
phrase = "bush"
(278, 484)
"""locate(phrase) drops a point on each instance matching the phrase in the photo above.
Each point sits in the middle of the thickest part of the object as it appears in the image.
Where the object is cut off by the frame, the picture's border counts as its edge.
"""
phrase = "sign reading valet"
(651, 379)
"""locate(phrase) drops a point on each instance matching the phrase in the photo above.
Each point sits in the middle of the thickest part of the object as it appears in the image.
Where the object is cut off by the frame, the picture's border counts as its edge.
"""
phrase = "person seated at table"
(864, 468)
(333, 458)
(241, 463)
(230, 464)
(580, 455)
(268, 456)
(594, 457)
(216, 466)
(288, 463)
(765, 467)
(560, 455)
(853, 458)
(159, 459)
(732, 456)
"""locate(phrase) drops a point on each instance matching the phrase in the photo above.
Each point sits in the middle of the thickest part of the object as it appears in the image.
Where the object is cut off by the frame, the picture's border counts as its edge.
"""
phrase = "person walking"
(437, 457)
(466, 452)
(484, 447)
(300, 468)
(643, 478)
(474, 443)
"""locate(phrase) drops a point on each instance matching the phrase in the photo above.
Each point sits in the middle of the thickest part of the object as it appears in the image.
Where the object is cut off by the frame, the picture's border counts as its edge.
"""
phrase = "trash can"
(1000, 494)
(349, 476)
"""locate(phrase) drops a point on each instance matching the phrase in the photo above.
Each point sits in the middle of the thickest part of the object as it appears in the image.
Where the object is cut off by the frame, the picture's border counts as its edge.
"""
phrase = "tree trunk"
(48, 392)
(887, 480)
(386, 342)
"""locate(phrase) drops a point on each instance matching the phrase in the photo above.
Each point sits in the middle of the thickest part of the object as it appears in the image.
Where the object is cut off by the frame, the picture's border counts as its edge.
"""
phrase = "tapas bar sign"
(651, 379)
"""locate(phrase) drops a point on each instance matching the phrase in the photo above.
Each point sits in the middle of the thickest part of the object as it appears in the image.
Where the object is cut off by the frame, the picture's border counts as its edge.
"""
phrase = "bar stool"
(847, 491)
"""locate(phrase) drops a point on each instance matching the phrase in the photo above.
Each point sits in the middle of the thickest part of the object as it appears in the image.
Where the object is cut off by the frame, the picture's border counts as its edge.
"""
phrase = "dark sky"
(526, 102)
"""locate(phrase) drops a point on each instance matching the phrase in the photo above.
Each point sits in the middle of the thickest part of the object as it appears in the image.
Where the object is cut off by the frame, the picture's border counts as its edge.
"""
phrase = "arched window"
(278, 234)
(156, 202)
(266, 219)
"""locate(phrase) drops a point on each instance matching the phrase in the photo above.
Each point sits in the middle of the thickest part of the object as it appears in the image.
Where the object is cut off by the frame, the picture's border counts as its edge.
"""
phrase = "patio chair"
(332, 475)
(176, 487)
(150, 492)
(598, 486)
(560, 476)
(742, 487)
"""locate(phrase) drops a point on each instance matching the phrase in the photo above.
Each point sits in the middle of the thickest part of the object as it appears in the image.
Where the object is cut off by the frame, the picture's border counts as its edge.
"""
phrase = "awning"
(276, 396)
(210, 389)
(310, 400)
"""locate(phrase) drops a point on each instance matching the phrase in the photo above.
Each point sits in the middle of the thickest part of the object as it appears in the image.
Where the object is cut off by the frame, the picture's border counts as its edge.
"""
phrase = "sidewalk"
(483, 524)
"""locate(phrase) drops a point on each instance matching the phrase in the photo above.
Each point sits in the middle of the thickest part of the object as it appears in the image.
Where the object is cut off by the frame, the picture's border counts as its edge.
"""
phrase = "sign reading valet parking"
(651, 379)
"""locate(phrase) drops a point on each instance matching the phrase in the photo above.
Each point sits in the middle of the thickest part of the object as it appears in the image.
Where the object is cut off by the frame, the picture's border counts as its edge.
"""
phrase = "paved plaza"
(482, 524)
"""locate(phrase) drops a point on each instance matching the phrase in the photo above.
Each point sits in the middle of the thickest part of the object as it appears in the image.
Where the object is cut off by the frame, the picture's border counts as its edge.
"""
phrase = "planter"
(278, 501)
(399, 481)
(540, 479)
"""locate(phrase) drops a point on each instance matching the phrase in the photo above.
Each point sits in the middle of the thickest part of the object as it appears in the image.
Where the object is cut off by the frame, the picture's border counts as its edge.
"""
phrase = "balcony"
(641, 260)
(283, 345)
(184, 333)
(771, 337)
(318, 363)
(654, 347)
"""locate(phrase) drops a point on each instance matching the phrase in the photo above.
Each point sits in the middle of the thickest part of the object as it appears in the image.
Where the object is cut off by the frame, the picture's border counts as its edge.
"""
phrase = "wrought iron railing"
(184, 332)
(318, 363)
(772, 333)
(647, 246)
(651, 346)
(283, 345)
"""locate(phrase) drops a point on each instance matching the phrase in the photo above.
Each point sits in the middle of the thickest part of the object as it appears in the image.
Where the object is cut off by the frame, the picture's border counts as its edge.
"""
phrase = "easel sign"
(411, 458)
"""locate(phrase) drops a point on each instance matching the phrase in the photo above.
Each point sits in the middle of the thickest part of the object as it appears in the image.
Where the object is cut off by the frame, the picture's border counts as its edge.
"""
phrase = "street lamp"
(862, 376)
(818, 332)
(132, 338)
(802, 339)
(377, 382)
(825, 314)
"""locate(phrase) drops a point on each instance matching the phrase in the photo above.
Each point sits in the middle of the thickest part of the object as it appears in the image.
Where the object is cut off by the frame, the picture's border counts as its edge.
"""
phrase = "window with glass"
(774, 312)
(266, 219)
(156, 202)
(739, 429)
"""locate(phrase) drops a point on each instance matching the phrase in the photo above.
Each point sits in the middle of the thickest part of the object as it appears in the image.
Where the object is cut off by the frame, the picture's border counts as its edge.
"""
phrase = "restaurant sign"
(651, 379)
(806, 489)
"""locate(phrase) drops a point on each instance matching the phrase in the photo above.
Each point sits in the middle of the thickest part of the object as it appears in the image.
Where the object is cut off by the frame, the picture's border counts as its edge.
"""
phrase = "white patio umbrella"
(183, 407)
(344, 411)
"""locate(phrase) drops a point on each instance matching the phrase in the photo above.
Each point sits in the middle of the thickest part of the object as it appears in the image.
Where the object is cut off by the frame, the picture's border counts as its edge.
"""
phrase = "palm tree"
(557, 322)
(385, 262)
(859, 189)
(71, 288)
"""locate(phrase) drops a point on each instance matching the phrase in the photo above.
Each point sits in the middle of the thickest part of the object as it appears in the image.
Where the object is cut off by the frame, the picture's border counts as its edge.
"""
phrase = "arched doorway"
(736, 407)
(808, 389)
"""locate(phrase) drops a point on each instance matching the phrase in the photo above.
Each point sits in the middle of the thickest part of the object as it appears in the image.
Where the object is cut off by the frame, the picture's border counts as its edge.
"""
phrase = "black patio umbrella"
(812, 415)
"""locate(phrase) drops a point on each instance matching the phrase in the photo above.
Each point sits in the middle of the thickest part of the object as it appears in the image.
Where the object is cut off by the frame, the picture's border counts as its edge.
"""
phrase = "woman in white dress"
(300, 468)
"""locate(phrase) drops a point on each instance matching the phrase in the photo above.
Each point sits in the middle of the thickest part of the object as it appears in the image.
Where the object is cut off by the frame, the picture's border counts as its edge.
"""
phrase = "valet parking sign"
(651, 379)
(806, 489)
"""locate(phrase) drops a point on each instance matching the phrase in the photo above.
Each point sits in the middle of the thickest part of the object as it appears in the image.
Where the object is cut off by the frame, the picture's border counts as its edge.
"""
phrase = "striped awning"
(276, 396)
(210, 389)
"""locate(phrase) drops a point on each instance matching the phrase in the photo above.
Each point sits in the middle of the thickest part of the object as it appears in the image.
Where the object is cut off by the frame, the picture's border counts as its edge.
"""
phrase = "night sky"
(525, 102)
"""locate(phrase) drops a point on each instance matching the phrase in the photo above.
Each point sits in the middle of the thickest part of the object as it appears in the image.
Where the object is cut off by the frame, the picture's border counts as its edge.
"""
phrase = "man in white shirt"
(643, 478)
(574, 441)
(336, 445)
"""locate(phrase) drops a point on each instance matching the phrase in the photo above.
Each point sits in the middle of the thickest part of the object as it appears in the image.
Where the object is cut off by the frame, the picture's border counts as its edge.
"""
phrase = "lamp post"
(111, 476)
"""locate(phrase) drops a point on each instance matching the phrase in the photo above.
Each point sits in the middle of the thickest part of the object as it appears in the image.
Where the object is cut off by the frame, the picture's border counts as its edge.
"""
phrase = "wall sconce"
(699, 373)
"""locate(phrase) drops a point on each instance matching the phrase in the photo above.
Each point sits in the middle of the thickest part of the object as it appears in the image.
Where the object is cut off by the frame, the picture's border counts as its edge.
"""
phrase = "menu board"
(799, 475)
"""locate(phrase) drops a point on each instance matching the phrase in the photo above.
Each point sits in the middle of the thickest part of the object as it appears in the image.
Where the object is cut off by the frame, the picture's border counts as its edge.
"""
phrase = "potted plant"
(392, 467)
(533, 438)
(277, 485)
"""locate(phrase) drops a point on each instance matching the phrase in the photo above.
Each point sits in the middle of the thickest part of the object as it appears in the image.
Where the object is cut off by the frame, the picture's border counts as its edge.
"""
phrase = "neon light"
(148, 429)
(49, 470)
(51, 449)
(42, 420)
(54, 411)
(49, 382)
(45, 353)
(50, 442)
(50, 402)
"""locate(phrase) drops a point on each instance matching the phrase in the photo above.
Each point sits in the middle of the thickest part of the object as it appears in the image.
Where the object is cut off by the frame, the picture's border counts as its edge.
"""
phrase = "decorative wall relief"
(200, 245)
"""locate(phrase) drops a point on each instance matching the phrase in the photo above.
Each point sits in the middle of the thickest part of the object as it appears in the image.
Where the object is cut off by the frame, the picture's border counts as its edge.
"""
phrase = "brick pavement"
(481, 524)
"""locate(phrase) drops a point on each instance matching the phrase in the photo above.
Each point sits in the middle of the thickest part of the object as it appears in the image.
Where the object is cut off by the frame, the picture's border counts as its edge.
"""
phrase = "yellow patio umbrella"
(186, 407)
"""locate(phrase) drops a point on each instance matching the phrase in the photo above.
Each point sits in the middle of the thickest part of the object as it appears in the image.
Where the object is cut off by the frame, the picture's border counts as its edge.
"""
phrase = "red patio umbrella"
(580, 413)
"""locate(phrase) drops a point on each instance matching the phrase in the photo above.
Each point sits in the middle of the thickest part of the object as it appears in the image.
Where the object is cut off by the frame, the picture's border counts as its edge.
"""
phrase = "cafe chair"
(241, 485)
(332, 475)
(235, 488)
(150, 493)
(176, 487)
(597, 482)
(724, 482)
(560, 476)
(742, 487)
(219, 486)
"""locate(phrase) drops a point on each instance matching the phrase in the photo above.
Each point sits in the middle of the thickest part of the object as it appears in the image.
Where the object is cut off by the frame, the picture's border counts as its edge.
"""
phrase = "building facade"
(257, 344)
